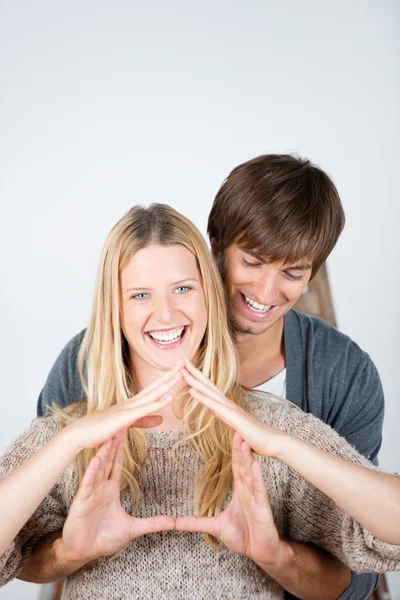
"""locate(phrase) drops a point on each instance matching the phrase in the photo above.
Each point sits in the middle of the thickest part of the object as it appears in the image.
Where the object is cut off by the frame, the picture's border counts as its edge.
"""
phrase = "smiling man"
(273, 223)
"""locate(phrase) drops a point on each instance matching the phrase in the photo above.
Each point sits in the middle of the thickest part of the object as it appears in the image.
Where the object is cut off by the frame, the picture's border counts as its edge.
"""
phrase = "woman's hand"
(97, 525)
(94, 429)
(247, 525)
(262, 438)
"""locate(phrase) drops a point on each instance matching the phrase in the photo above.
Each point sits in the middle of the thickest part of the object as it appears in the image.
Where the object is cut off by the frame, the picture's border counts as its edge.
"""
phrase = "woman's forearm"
(23, 490)
(368, 496)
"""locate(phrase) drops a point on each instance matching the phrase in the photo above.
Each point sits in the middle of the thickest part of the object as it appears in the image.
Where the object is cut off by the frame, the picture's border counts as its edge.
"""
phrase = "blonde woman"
(158, 298)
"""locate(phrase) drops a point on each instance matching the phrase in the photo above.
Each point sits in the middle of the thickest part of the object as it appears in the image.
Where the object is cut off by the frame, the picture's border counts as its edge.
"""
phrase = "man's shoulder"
(330, 376)
(63, 385)
(320, 339)
(73, 346)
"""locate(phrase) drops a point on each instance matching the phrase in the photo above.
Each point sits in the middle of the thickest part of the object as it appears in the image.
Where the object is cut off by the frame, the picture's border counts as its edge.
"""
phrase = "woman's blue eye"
(141, 296)
(183, 288)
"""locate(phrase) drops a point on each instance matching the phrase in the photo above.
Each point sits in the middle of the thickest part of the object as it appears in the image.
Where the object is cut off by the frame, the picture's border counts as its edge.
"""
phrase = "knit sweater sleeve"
(315, 518)
(51, 513)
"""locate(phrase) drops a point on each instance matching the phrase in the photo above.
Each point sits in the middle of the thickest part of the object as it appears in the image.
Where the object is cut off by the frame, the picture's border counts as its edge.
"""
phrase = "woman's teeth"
(256, 306)
(167, 337)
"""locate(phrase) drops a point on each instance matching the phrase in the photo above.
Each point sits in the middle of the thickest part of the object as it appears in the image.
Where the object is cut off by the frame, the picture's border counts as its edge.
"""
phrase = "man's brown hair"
(280, 206)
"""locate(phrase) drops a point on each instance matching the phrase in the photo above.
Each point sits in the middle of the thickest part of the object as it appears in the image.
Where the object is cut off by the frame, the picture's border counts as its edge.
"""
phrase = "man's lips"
(253, 311)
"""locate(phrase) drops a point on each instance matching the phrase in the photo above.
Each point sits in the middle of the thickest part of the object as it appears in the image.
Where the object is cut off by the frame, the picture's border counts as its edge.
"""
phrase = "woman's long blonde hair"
(104, 360)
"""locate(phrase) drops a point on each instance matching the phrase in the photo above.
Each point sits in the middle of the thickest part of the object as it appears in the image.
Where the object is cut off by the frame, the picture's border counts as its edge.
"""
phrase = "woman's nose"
(163, 310)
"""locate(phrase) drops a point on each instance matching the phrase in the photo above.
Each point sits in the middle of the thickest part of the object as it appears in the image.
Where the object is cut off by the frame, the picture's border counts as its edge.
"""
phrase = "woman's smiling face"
(163, 309)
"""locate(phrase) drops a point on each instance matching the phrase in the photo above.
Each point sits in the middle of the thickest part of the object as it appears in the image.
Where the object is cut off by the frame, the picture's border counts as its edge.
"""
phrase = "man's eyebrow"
(253, 253)
(304, 267)
(148, 289)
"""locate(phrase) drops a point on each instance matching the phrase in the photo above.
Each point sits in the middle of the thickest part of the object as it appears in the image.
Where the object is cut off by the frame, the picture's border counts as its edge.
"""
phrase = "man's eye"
(141, 296)
(294, 277)
(250, 264)
(182, 289)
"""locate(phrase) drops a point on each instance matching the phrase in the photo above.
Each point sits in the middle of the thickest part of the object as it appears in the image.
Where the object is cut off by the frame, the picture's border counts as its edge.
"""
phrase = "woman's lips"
(169, 345)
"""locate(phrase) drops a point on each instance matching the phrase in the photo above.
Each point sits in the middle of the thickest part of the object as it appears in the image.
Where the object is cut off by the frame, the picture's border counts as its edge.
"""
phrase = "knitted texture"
(180, 565)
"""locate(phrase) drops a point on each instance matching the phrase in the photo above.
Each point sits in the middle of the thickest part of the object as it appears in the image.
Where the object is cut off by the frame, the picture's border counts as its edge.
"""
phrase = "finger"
(100, 472)
(236, 459)
(203, 387)
(103, 453)
(129, 415)
(151, 525)
(87, 484)
(260, 491)
(164, 378)
(109, 458)
(231, 415)
(245, 469)
(195, 372)
(118, 461)
(104, 449)
(147, 409)
(247, 455)
(198, 524)
(149, 421)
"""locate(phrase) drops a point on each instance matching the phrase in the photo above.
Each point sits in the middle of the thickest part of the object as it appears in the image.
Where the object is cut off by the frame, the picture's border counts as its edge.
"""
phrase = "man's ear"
(214, 246)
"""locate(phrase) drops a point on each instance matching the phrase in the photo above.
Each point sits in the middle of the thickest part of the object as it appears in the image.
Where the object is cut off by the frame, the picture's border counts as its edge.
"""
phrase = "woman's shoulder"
(41, 430)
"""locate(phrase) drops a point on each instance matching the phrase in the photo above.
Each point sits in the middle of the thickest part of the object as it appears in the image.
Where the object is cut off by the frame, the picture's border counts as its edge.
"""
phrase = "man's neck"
(262, 356)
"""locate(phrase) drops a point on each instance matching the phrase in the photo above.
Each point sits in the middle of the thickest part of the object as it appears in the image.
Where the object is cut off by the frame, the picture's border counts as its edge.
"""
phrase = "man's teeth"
(256, 305)
(167, 337)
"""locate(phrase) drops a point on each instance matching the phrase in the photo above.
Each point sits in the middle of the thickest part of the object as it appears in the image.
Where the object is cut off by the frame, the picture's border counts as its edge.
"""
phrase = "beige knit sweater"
(179, 565)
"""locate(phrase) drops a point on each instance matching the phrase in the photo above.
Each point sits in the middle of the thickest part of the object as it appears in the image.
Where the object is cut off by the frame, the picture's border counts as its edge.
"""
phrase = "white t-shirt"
(276, 385)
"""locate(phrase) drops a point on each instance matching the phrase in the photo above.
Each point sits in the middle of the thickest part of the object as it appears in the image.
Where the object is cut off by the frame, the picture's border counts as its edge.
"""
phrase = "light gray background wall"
(105, 105)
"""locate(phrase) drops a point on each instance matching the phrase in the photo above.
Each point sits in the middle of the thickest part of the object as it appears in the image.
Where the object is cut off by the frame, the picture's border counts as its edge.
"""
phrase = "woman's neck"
(145, 375)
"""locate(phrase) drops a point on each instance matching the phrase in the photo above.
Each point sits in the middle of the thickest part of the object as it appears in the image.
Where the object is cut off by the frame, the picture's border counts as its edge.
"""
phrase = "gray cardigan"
(328, 375)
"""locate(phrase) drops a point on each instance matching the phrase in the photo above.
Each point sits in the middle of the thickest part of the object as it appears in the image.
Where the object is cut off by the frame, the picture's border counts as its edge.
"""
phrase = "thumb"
(198, 524)
(150, 525)
(148, 421)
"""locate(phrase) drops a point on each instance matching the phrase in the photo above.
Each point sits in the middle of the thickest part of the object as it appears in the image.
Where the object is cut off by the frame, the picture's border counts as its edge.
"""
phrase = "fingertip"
(246, 448)
(237, 438)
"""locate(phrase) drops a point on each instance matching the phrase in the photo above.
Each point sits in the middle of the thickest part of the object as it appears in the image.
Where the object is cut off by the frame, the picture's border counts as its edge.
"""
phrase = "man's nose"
(268, 289)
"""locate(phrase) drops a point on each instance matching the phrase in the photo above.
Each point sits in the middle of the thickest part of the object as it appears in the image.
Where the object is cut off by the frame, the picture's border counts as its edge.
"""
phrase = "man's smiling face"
(259, 292)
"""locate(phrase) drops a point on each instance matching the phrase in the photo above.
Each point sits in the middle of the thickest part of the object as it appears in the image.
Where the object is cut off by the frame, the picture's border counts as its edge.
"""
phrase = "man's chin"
(243, 326)
(250, 329)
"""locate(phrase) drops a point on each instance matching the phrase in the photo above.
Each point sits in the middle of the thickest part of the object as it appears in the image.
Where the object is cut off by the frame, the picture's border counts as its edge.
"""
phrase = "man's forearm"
(308, 572)
(46, 562)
